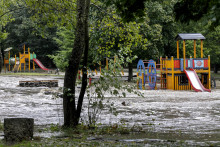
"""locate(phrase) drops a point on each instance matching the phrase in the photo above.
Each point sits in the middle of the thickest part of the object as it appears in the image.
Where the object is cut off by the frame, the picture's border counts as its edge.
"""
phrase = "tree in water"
(81, 44)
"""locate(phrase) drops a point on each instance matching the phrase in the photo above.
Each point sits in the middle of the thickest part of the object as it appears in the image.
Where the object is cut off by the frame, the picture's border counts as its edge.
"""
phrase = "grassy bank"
(115, 135)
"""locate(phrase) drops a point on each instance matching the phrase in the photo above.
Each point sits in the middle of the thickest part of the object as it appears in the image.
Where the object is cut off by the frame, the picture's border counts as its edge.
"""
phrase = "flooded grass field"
(162, 115)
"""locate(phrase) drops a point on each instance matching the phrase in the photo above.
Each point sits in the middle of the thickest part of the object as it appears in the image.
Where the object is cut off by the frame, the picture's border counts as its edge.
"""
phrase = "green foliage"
(1, 127)
(129, 10)
(108, 84)
(212, 45)
(162, 29)
(55, 13)
(22, 29)
(109, 35)
(64, 39)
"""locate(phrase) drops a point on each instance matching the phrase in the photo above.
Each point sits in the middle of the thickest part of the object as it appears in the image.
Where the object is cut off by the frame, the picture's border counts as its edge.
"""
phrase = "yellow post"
(24, 48)
(9, 61)
(172, 66)
(194, 48)
(175, 82)
(177, 44)
(29, 56)
(156, 76)
(24, 58)
(201, 48)
(106, 63)
(19, 61)
(209, 74)
(24, 63)
(96, 72)
(184, 55)
(190, 62)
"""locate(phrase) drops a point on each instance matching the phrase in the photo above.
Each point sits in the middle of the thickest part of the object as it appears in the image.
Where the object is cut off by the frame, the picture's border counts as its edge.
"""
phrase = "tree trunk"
(69, 106)
(81, 43)
(85, 60)
(130, 72)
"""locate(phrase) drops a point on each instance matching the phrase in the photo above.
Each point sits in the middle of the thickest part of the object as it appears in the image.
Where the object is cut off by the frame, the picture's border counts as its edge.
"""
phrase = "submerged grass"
(1, 127)
(113, 135)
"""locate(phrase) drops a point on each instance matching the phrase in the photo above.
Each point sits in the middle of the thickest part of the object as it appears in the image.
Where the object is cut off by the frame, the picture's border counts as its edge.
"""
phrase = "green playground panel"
(32, 56)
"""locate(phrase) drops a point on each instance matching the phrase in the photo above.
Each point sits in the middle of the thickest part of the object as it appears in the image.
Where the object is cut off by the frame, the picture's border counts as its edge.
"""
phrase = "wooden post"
(190, 62)
(106, 63)
(201, 48)
(177, 44)
(184, 55)
(19, 61)
(156, 76)
(9, 68)
(29, 57)
(172, 67)
(194, 48)
(209, 74)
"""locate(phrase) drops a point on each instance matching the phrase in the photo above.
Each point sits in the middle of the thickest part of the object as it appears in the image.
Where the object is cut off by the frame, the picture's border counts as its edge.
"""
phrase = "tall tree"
(71, 112)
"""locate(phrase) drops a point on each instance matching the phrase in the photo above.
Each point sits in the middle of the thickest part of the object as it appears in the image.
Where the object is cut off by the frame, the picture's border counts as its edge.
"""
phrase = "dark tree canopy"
(187, 10)
(129, 10)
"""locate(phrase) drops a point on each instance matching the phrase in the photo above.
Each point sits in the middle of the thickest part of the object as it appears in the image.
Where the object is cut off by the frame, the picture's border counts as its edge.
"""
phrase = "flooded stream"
(186, 115)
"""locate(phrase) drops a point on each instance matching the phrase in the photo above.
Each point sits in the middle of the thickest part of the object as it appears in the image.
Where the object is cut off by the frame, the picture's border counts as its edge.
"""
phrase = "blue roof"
(189, 36)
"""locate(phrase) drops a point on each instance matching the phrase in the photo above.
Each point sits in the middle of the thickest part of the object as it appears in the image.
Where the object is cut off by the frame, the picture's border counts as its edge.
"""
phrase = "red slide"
(195, 81)
(40, 64)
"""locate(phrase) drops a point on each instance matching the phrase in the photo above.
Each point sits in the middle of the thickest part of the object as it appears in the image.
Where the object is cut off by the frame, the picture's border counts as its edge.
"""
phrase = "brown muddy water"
(163, 114)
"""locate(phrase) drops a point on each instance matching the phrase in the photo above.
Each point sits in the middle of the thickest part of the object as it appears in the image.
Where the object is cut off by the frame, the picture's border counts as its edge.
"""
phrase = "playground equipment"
(16, 64)
(178, 73)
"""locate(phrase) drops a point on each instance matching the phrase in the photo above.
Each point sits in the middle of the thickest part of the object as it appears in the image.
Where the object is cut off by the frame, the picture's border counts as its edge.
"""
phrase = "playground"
(177, 73)
(181, 115)
(21, 62)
